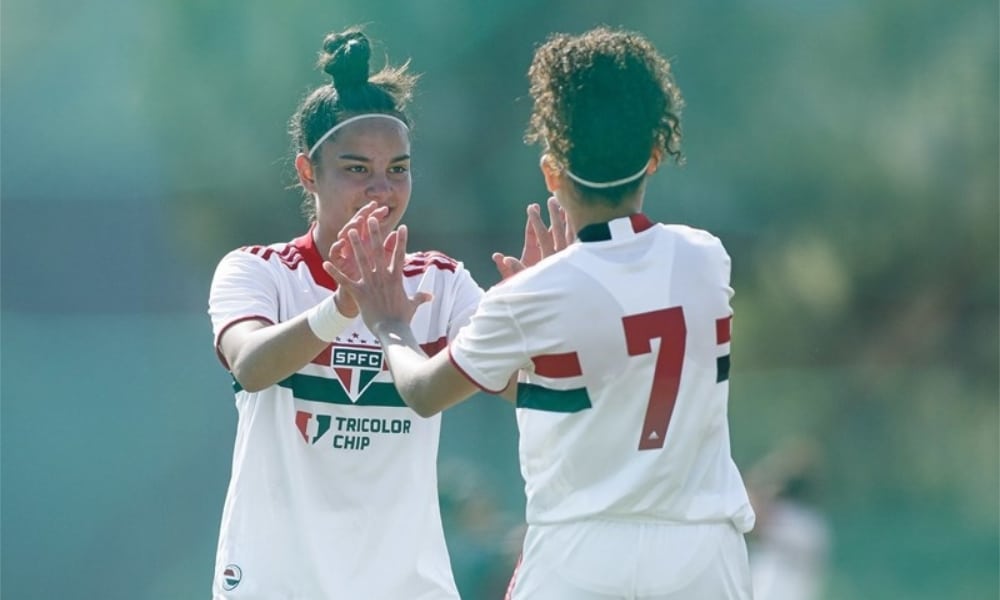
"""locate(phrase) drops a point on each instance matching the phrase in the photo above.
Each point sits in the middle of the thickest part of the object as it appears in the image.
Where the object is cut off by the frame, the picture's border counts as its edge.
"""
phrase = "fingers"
(530, 237)
(362, 255)
(513, 265)
(390, 243)
(508, 266)
(375, 245)
(557, 220)
(540, 231)
(370, 210)
(502, 268)
(530, 252)
(557, 236)
(541, 241)
(342, 255)
(562, 231)
(372, 254)
(420, 298)
(343, 280)
(369, 269)
(398, 238)
(358, 223)
(375, 242)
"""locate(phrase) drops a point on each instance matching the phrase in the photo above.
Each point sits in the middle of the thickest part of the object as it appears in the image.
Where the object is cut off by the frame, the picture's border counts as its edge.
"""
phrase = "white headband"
(608, 184)
(334, 129)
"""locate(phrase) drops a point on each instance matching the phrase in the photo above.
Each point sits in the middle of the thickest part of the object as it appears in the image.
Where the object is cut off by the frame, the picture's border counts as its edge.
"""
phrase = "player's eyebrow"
(365, 159)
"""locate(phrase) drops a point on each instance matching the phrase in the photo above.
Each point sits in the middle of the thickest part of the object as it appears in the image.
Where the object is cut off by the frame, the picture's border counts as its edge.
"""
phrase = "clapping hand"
(370, 267)
(539, 241)
(343, 254)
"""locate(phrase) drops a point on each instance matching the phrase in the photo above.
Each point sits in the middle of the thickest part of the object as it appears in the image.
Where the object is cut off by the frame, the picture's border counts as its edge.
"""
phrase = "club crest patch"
(356, 367)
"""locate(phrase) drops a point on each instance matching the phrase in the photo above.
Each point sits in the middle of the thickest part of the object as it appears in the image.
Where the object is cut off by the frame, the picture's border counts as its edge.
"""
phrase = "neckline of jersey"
(617, 229)
(310, 254)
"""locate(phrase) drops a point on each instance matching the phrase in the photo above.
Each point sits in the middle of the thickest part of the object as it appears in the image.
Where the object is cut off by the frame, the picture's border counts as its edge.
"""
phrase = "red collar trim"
(306, 245)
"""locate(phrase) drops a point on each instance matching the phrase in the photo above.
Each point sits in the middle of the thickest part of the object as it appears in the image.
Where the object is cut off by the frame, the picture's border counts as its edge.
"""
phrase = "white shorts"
(605, 560)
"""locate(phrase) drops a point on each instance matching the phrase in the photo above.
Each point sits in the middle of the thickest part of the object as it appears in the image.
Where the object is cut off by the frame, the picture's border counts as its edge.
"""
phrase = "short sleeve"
(467, 295)
(725, 268)
(243, 288)
(491, 347)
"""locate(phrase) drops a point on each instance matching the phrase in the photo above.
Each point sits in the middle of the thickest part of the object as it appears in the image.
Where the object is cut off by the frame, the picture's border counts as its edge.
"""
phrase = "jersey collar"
(617, 229)
(307, 247)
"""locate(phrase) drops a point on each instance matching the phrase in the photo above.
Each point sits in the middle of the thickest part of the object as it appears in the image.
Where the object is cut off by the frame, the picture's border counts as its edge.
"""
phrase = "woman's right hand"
(345, 254)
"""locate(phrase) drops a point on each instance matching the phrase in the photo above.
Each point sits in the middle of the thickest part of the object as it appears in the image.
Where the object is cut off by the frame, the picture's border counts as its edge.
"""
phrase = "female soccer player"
(622, 339)
(334, 481)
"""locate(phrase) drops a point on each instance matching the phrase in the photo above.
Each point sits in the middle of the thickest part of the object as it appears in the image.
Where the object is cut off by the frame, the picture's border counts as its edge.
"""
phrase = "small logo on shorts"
(231, 577)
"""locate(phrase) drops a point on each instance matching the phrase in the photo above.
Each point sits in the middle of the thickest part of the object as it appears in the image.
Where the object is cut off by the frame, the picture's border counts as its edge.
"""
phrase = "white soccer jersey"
(624, 340)
(334, 484)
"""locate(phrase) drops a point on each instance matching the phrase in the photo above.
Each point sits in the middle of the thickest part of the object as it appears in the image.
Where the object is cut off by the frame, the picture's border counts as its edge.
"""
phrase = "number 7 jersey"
(622, 342)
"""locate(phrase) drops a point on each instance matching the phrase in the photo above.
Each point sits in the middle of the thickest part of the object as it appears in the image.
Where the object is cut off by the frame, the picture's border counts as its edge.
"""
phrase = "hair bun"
(345, 58)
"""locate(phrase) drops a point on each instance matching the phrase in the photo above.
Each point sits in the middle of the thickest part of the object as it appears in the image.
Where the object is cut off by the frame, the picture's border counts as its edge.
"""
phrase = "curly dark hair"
(603, 101)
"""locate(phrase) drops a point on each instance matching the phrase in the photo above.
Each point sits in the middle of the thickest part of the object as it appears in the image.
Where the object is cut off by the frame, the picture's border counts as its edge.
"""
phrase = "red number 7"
(668, 325)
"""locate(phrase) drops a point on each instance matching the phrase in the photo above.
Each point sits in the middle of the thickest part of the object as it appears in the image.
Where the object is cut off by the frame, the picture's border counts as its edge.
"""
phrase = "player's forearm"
(270, 354)
(407, 363)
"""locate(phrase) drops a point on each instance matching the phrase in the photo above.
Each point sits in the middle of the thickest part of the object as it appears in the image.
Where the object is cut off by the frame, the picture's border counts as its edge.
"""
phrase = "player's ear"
(551, 171)
(306, 172)
(654, 161)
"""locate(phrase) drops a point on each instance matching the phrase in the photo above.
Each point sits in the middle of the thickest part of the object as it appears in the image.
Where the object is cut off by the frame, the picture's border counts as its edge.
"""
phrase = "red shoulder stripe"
(262, 251)
(419, 262)
(289, 255)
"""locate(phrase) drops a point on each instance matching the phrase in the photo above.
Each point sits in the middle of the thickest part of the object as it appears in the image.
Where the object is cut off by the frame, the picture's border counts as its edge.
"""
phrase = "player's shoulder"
(691, 235)
(696, 244)
(553, 275)
(281, 254)
(424, 261)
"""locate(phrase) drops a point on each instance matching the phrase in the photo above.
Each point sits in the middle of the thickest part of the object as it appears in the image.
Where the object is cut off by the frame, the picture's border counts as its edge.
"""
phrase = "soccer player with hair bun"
(333, 492)
(619, 341)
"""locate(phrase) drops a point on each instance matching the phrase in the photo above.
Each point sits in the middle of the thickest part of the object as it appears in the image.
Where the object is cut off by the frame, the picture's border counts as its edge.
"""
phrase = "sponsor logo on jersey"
(303, 420)
(350, 433)
(231, 577)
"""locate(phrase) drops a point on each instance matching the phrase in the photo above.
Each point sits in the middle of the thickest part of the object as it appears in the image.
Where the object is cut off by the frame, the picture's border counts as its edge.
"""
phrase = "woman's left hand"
(344, 253)
(539, 241)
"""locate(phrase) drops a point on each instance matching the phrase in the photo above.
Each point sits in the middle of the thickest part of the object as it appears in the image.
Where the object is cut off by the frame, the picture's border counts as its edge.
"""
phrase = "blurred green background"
(846, 151)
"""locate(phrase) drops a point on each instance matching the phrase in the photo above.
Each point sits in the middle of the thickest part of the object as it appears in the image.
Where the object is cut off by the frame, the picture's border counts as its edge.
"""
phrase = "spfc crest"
(356, 367)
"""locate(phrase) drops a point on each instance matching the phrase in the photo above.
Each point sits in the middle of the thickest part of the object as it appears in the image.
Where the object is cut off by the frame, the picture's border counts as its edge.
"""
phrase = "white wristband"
(326, 321)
